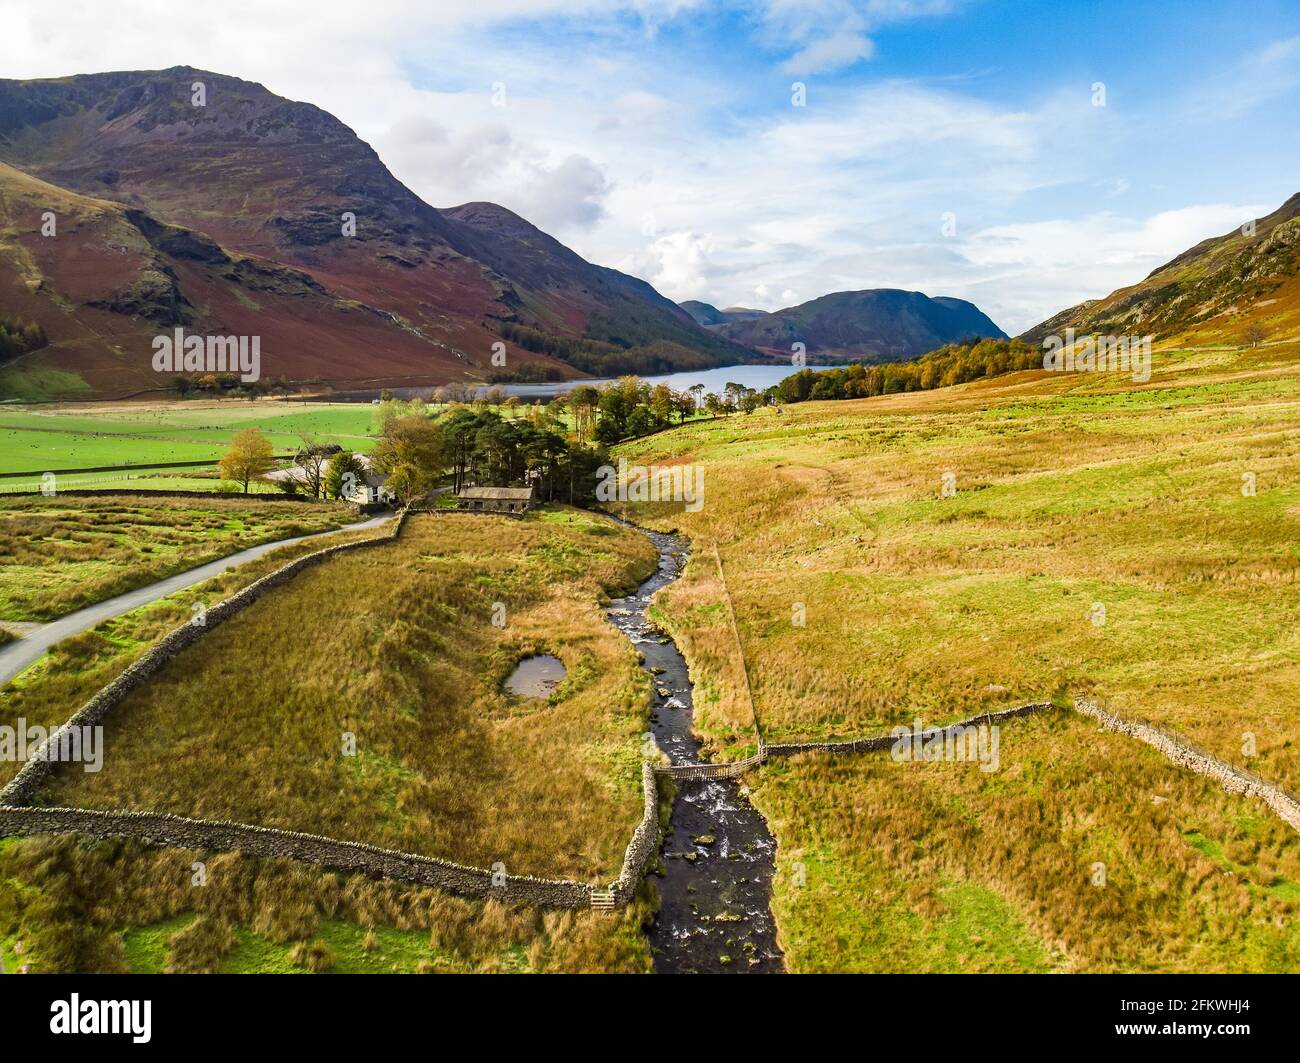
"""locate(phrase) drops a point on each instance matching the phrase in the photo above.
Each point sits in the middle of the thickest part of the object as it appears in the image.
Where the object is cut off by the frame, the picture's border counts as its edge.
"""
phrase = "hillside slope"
(114, 277)
(263, 178)
(708, 315)
(875, 325)
(1233, 288)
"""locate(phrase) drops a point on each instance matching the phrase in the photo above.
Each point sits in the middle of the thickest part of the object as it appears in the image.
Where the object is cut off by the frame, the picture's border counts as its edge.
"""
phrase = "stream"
(719, 857)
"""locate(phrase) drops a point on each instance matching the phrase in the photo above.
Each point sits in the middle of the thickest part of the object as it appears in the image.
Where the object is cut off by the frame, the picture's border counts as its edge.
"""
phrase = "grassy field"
(117, 906)
(58, 684)
(59, 554)
(411, 663)
(1098, 541)
(72, 905)
(48, 439)
(888, 866)
(143, 478)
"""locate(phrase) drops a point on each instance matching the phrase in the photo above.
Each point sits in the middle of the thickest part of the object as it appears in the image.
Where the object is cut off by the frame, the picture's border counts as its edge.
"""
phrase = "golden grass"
(52, 689)
(921, 604)
(1072, 491)
(59, 554)
(68, 905)
(396, 645)
(941, 867)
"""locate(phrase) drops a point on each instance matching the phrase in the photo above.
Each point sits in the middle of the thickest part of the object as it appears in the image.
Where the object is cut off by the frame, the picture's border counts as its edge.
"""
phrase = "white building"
(365, 489)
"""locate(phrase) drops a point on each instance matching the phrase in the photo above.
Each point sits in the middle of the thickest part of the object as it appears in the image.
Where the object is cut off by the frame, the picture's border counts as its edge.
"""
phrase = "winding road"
(23, 652)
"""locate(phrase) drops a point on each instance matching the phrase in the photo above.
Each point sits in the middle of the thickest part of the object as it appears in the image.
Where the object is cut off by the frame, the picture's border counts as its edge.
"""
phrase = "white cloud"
(829, 35)
(570, 195)
(830, 53)
(677, 264)
(1054, 264)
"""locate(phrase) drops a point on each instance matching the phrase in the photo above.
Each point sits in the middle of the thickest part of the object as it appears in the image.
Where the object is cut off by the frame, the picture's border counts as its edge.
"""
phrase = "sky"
(1022, 155)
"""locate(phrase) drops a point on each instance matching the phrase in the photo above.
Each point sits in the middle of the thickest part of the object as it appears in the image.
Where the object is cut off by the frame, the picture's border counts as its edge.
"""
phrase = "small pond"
(536, 677)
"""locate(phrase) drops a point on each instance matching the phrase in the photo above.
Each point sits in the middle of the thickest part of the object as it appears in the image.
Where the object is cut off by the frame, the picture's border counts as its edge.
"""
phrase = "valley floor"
(396, 646)
(928, 555)
(1134, 544)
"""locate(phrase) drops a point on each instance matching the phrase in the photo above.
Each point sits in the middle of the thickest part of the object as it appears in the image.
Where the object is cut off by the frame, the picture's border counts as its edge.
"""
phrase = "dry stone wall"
(1234, 780)
(735, 768)
(145, 492)
(645, 839)
(217, 836)
(885, 741)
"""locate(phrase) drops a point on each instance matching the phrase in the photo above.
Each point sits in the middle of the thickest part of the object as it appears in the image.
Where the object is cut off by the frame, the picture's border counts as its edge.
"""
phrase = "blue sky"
(948, 146)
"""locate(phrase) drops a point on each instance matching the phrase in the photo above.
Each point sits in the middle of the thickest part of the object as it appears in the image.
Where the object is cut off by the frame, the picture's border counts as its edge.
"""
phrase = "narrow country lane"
(25, 651)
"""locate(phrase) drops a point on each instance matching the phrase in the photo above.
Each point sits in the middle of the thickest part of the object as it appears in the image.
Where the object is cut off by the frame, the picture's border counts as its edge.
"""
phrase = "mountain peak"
(870, 324)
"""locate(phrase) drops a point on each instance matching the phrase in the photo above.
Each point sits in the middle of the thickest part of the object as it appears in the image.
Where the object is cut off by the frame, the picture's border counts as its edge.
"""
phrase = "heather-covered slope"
(1240, 287)
(113, 277)
(415, 294)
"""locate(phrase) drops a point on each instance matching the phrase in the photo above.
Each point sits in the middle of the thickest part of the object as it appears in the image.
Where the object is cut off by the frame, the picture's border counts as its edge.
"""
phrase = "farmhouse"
(495, 499)
(364, 489)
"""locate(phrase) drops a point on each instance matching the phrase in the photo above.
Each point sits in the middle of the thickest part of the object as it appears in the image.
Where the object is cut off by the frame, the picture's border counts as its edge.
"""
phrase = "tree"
(1255, 335)
(343, 463)
(311, 458)
(661, 402)
(583, 400)
(697, 390)
(413, 451)
(249, 458)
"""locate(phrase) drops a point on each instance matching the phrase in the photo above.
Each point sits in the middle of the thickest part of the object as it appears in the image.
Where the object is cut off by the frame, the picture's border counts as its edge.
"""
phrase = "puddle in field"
(536, 677)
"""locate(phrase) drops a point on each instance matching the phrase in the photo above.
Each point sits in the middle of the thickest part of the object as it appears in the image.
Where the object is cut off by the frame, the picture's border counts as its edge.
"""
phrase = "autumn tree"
(413, 453)
(249, 457)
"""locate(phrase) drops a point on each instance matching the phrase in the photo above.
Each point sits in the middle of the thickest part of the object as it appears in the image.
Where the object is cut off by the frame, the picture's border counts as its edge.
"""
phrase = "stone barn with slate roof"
(495, 499)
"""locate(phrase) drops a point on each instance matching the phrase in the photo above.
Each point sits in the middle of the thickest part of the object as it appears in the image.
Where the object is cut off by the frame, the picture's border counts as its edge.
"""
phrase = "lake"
(758, 377)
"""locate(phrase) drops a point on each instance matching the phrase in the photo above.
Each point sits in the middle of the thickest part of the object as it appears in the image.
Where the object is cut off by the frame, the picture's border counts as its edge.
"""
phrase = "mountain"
(704, 313)
(876, 325)
(1228, 288)
(709, 315)
(227, 215)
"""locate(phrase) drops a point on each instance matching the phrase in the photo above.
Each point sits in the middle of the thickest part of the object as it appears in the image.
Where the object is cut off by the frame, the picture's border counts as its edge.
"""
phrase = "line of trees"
(956, 363)
(475, 442)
